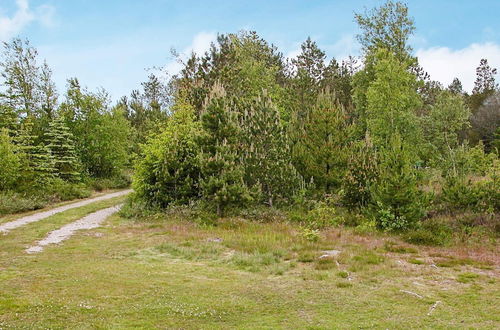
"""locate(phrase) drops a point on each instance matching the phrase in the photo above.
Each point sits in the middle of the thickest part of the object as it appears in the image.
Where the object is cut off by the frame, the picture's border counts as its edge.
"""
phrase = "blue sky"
(111, 43)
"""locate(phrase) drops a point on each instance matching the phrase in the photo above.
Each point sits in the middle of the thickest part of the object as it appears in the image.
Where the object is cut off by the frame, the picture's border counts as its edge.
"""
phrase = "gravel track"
(93, 220)
(6, 227)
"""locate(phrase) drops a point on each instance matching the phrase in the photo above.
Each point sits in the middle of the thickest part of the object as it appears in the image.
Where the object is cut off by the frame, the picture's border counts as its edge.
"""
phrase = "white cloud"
(45, 14)
(293, 53)
(10, 26)
(23, 16)
(200, 44)
(443, 64)
(345, 46)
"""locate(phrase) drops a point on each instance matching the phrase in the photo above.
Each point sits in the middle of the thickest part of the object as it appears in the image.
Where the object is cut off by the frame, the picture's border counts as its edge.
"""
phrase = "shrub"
(465, 160)
(462, 194)
(311, 235)
(431, 233)
(323, 215)
(12, 202)
(60, 190)
(168, 171)
(115, 182)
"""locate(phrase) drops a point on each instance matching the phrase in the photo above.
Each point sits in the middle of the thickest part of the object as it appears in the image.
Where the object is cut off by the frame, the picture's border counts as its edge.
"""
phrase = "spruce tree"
(222, 172)
(8, 118)
(61, 145)
(38, 163)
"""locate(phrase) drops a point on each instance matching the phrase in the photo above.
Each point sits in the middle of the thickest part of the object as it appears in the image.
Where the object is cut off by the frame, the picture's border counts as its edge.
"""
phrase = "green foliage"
(8, 117)
(361, 173)
(323, 215)
(115, 182)
(37, 162)
(397, 201)
(311, 235)
(14, 202)
(465, 160)
(267, 154)
(320, 152)
(222, 173)
(430, 232)
(101, 136)
(33, 198)
(60, 190)
(167, 171)
(62, 149)
(20, 73)
(10, 162)
(387, 26)
(446, 119)
(483, 195)
(392, 101)
(484, 86)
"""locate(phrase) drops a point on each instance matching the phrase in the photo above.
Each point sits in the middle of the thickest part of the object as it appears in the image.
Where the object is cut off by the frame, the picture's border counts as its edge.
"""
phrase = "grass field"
(166, 272)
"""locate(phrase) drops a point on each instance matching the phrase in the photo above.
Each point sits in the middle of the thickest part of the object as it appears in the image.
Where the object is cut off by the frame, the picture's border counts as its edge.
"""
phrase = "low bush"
(12, 202)
(431, 232)
(116, 182)
(60, 190)
(460, 193)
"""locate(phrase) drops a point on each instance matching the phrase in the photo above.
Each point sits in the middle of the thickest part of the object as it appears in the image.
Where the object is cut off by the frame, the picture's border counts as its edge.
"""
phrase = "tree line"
(250, 127)
(242, 126)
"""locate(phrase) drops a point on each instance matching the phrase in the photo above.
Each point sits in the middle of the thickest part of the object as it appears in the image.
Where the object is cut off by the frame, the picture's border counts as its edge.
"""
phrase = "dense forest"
(369, 141)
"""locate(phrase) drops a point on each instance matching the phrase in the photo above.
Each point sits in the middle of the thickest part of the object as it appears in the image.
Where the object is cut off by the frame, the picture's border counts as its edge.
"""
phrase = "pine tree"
(456, 87)
(397, 202)
(484, 86)
(308, 74)
(60, 143)
(267, 155)
(361, 173)
(320, 152)
(222, 172)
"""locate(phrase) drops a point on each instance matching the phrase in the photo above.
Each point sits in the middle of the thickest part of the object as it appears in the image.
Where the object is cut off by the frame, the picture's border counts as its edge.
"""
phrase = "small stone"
(329, 253)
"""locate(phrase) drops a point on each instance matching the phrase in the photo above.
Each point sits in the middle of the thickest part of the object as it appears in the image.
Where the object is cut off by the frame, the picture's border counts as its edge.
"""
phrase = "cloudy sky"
(112, 43)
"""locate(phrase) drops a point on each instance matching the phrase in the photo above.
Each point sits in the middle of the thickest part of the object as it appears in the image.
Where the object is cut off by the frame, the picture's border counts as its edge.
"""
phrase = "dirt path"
(90, 221)
(6, 227)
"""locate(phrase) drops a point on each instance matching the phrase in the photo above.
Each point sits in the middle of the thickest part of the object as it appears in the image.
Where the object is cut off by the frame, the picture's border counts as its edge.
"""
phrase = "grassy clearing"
(166, 272)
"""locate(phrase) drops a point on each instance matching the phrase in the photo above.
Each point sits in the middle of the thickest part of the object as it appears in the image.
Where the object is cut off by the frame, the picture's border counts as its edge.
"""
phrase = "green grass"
(467, 277)
(164, 272)
(416, 261)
